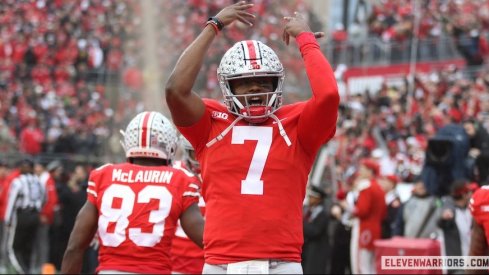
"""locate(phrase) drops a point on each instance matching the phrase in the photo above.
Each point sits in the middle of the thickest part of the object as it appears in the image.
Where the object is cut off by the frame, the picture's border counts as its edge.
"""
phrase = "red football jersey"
(4, 194)
(139, 207)
(51, 196)
(186, 256)
(479, 207)
(253, 182)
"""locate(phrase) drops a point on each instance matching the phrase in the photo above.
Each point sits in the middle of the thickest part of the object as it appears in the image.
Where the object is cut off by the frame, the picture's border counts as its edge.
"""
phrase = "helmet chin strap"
(247, 113)
(225, 132)
(281, 130)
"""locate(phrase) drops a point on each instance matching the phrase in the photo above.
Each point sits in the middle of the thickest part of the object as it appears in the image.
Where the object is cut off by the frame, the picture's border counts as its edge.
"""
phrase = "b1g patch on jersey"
(220, 115)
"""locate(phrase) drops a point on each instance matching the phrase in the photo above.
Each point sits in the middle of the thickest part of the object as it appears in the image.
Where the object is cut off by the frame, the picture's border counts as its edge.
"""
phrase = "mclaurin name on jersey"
(147, 176)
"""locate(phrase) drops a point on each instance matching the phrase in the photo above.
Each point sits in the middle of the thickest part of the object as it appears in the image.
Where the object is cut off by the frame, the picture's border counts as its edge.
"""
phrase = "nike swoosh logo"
(275, 122)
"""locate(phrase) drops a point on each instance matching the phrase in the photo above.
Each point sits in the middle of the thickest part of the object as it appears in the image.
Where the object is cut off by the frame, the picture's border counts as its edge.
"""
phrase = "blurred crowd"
(57, 58)
(427, 150)
(188, 17)
(437, 25)
(60, 60)
(71, 73)
(394, 125)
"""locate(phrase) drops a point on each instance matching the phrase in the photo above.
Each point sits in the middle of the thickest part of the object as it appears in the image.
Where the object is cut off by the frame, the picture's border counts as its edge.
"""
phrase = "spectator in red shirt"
(31, 139)
(3, 174)
(4, 178)
(42, 245)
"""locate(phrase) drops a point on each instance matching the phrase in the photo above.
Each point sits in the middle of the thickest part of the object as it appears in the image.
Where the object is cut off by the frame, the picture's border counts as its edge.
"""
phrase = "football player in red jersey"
(186, 257)
(479, 240)
(479, 207)
(134, 206)
(255, 154)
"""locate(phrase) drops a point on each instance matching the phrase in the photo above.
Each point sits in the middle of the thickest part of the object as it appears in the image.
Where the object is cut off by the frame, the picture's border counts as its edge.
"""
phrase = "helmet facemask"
(251, 59)
(189, 156)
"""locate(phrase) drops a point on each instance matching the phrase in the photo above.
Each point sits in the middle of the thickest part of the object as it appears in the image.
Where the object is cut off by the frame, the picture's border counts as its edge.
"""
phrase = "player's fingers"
(245, 21)
(242, 5)
(247, 15)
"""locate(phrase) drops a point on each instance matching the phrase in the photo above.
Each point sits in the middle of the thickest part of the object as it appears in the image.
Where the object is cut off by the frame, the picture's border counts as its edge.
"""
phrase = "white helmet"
(189, 156)
(247, 59)
(150, 135)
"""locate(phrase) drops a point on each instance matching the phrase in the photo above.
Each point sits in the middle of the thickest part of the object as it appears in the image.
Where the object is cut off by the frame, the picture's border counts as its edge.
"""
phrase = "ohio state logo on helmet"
(150, 135)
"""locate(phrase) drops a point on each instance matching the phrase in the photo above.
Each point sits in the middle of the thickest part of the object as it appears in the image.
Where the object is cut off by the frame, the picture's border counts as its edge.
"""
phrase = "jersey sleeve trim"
(93, 193)
(191, 194)
(193, 185)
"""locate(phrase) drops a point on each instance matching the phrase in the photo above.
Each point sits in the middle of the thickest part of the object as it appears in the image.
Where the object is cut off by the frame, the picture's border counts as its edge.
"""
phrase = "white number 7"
(252, 184)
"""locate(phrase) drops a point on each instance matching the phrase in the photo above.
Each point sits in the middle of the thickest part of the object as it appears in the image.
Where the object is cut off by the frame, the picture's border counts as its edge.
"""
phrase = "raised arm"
(317, 123)
(80, 238)
(187, 107)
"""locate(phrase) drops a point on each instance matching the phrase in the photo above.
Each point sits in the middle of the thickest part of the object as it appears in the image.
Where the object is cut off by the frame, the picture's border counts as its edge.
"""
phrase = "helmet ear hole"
(275, 83)
(232, 86)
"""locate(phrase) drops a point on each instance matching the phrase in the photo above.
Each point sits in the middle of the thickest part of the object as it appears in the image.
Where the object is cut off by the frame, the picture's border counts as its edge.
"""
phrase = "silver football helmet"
(250, 59)
(150, 135)
(189, 156)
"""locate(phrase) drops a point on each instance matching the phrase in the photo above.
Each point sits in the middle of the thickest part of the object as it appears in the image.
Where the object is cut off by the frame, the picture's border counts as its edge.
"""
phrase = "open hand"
(238, 11)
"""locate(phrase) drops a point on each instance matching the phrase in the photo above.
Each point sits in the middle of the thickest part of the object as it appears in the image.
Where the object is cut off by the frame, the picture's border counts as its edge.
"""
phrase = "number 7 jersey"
(139, 207)
(253, 186)
(254, 176)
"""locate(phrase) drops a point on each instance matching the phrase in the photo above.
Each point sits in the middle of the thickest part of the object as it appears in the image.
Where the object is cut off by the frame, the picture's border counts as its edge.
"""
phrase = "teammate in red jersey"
(186, 257)
(134, 207)
(255, 154)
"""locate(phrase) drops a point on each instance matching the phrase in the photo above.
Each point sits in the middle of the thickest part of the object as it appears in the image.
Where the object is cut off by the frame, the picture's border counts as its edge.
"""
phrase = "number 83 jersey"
(139, 207)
